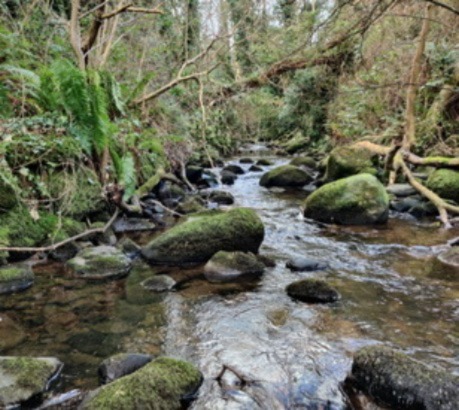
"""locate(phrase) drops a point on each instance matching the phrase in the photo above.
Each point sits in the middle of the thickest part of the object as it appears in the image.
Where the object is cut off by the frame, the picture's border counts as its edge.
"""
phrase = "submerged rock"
(11, 334)
(448, 262)
(255, 168)
(445, 183)
(246, 161)
(160, 384)
(233, 266)
(285, 176)
(199, 238)
(101, 262)
(349, 160)
(14, 278)
(264, 162)
(300, 264)
(159, 283)
(121, 365)
(394, 379)
(123, 225)
(24, 378)
(357, 200)
(312, 291)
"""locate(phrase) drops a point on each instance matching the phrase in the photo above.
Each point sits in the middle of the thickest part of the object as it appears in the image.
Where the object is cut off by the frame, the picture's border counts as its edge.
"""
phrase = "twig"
(64, 242)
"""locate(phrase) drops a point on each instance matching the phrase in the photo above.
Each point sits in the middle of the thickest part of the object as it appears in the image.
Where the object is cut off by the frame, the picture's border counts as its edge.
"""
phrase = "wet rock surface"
(312, 291)
(159, 283)
(301, 264)
(392, 378)
(285, 176)
(101, 262)
(121, 365)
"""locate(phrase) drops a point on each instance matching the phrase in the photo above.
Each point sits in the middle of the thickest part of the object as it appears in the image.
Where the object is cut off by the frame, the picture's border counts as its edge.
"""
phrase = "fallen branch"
(64, 242)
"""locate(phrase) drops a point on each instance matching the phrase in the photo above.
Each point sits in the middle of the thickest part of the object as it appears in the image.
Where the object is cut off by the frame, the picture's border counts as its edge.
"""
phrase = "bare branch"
(443, 5)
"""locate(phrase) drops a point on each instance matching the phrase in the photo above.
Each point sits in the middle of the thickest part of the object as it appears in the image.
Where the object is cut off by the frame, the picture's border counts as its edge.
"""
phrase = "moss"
(285, 176)
(9, 273)
(393, 378)
(29, 373)
(158, 385)
(80, 192)
(190, 205)
(206, 233)
(7, 196)
(445, 182)
(295, 144)
(349, 160)
(357, 200)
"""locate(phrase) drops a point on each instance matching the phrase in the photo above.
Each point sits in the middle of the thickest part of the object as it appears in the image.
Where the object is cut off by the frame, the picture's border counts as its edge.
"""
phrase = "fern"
(116, 106)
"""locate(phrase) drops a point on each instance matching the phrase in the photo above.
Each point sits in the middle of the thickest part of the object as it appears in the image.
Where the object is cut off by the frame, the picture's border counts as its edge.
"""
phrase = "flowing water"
(257, 348)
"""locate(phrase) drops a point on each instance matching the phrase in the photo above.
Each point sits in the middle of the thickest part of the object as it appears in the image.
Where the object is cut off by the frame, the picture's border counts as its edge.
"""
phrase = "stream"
(257, 348)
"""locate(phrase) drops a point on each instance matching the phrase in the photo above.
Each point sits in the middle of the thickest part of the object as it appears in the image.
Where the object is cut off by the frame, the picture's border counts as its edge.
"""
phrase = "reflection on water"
(278, 354)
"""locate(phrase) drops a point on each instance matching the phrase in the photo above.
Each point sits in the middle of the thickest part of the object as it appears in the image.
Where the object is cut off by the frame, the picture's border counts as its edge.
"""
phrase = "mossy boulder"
(101, 262)
(221, 197)
(23, 378)
(296, 144)
(233, 266)
(199, 238)
(393, 379)
(191, 205)
(445, 182)
(307, 162)
(264, 162)
(14, 278)
(357, 200)
(80, 194)
(161, 384)
(312, 291)
(349, 160)
(285, 176)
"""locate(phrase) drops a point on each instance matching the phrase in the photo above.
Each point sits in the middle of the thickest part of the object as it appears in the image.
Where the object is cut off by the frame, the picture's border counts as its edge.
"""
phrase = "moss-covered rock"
(393, 379)
(80, 193)
(101, 262)
(445, 182)
(307, 162)
(191, 205)
(15, 277)
(233, 266)
(349, 160)
(22, 378)
(312, 291)
(161, 384)
(285, 176)
(199, 238)
(357, 200)
(264, 162)
(296, 144)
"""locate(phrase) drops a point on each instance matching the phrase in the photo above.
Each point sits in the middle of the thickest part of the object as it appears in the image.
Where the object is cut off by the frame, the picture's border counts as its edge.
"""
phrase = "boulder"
(128, 246)
(300, 264)
(235, 169)
(161, 384)
(194, 173)
(255, 168)
(23, 378)
(401, 190)
(307, 162)
(445, 183)
(199, 238)
(246, 161)
(357, 200)
(228, 177)
(264, 162)
(312, 291)
(393, 379)
(121, 365)
(349, 160)
(16, 277)
(285, 176)
(168, 191)
(191, 205)
(233, 266)
(221, 197)
(101, 262)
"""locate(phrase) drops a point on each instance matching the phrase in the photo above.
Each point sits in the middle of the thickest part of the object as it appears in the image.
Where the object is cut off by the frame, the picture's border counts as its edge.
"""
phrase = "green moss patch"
(285, 176)
(159, 385)
(445, 182)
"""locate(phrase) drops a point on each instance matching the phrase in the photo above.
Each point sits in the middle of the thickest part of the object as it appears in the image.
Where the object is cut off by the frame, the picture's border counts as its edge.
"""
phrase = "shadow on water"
(257, 348)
